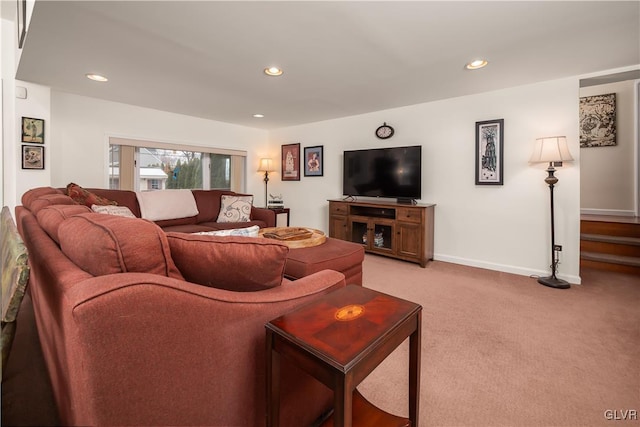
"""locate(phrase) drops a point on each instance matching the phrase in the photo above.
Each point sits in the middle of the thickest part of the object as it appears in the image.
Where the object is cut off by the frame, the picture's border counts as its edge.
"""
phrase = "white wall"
(81, 128)
(505, 228)
(607, 173)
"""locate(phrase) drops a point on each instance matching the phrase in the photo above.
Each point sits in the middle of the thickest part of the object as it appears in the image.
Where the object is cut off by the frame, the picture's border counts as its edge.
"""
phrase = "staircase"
(610, 243)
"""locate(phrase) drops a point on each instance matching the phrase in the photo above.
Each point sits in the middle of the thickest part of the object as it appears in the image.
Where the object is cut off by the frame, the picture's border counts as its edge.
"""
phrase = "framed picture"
(32, 130)
(598, 120)
(313, 161)
(32, 157)
(291, 162)
(489, 156)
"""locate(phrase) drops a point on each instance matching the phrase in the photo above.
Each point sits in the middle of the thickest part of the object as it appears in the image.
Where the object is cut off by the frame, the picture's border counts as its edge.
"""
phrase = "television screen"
(383, 172)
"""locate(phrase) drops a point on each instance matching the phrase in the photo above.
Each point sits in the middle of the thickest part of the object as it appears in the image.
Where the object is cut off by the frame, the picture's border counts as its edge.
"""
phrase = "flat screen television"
(394, 172)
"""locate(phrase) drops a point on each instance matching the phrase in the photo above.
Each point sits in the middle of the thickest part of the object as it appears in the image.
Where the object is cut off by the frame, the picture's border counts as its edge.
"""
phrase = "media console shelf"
(386, 228)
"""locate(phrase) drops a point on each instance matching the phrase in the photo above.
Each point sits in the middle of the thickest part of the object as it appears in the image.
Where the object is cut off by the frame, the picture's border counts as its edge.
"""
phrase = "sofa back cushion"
(29, 196)
(208, 202)
(106, 244)
(49, 200)
(242, 264)
(51, 217)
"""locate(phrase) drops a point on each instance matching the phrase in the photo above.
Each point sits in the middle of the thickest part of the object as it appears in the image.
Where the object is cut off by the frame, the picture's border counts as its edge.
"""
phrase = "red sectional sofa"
(143, 327)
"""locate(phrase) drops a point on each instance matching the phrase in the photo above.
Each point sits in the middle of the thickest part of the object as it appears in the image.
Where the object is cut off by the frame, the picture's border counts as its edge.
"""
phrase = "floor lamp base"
(554, 282)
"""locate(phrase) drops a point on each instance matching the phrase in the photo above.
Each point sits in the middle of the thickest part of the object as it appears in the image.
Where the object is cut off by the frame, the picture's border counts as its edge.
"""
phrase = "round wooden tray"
(317, 237)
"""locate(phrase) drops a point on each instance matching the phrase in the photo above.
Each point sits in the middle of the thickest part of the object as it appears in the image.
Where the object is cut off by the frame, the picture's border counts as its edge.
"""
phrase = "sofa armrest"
(146, 349)
(263, 214)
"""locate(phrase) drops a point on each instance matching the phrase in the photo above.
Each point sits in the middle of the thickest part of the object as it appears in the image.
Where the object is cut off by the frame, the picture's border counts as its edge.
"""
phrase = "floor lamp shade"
(266, 166)
(552, 150)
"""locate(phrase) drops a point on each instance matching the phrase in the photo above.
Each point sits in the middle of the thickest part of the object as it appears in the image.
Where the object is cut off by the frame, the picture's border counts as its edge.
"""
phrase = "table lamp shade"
(551, 149)
(266, 165)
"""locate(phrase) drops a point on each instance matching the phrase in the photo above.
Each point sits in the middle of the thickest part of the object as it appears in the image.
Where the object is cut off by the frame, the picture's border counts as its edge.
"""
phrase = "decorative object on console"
(32, 157)
(598, 120)
(266, 166)
(235, 209)
(553, 150)
(314, 161)
(291, 162)
(385, 131)
(489, 156)
(32, 130)
(275, 201)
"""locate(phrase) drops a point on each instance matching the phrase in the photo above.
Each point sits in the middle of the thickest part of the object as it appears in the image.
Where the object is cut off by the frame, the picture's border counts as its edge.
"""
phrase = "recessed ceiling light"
(97, 77)
(475, 64)
(258, 116)
(273, 71)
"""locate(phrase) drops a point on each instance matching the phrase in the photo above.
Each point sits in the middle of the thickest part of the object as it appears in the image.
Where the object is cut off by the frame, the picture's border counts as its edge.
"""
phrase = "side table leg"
(343, 402)
(414, 371)
(272, 383)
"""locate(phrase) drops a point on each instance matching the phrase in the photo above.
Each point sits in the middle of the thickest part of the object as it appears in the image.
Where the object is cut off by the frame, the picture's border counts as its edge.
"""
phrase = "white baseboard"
(574, 280)
(609, 212)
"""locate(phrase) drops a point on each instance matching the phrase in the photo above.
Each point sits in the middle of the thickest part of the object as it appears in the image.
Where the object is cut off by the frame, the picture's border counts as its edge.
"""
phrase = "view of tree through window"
(160, 169)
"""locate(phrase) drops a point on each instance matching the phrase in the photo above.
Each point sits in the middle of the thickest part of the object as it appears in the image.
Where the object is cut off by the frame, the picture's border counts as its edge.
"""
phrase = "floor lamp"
(266, 166)
(552, 150)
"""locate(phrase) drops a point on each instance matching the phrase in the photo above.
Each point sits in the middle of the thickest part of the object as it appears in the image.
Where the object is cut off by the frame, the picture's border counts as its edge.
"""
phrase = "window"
(147, 166)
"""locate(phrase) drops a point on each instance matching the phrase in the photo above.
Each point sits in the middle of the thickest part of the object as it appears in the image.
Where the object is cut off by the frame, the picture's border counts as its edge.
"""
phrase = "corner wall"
(504, 228)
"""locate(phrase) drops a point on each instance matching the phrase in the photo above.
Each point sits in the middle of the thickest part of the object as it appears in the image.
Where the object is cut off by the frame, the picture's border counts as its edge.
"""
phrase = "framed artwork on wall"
(489, 156)
(290, 162)
(32, 157)
(32, 130)
(598, 120)
(313, 161)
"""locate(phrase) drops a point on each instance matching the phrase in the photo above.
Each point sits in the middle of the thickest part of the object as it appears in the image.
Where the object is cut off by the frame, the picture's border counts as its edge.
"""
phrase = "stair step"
(610, 228)
(621, 240)
(611, 259)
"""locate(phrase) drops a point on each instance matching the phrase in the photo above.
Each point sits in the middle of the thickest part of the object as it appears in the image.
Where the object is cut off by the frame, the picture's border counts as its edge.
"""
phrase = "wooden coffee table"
(339, 339)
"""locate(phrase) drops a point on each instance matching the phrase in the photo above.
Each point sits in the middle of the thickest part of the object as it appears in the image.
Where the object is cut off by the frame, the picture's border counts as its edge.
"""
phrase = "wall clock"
(385, 131)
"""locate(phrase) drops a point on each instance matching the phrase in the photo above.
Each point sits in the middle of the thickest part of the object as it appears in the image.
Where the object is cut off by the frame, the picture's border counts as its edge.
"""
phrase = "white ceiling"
(340, 58)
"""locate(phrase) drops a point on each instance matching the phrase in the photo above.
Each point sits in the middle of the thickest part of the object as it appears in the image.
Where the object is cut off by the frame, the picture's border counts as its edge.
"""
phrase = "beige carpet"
(501, 350)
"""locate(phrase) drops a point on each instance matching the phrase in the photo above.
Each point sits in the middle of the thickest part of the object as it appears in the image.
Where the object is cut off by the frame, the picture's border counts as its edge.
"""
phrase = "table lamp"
(266, 166)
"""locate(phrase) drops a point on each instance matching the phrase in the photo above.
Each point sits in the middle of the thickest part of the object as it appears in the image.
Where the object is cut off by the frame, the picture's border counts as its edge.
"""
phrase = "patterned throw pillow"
(235, 208)
(86, 197)
(113, 210)
(253, 231)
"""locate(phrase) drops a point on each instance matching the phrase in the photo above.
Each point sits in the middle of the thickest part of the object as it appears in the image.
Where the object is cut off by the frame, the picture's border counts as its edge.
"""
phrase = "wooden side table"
(280, 211)
(340, 339)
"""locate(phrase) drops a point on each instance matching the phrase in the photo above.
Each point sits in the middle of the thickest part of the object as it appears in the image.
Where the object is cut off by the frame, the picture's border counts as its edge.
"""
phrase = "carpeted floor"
(497, 350)
(502, 350)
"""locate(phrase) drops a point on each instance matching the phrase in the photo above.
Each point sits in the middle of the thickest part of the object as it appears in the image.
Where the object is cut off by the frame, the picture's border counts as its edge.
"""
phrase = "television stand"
(397, 230)
(406, 201)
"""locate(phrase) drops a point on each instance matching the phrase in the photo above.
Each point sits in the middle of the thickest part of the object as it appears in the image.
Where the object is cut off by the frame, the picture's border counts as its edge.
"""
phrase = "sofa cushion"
(235, 208)
(51, 217)
(50, 200)
(29, 196)
(106, 244)
(85, 197)
(252, 231)
(113, 210)
(167, 204)
(208, 202)
(242, 264)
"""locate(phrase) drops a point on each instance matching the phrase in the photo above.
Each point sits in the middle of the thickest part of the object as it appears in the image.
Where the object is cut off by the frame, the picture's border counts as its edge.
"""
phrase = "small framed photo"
(32, 157)
(313, 161)
(489, 156)
(32, 130)
(290, 162)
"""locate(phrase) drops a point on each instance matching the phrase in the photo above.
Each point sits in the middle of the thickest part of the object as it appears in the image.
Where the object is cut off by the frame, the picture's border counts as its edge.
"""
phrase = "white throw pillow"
(235, 209)
(113, 210)
(167, 204)
(253, 231)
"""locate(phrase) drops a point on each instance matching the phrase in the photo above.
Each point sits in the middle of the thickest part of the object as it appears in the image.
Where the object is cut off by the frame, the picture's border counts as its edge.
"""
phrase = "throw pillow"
(253, 231)
(241, 264)
(113, 210)
(235, 208)
(85, 197)
(107, 244)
